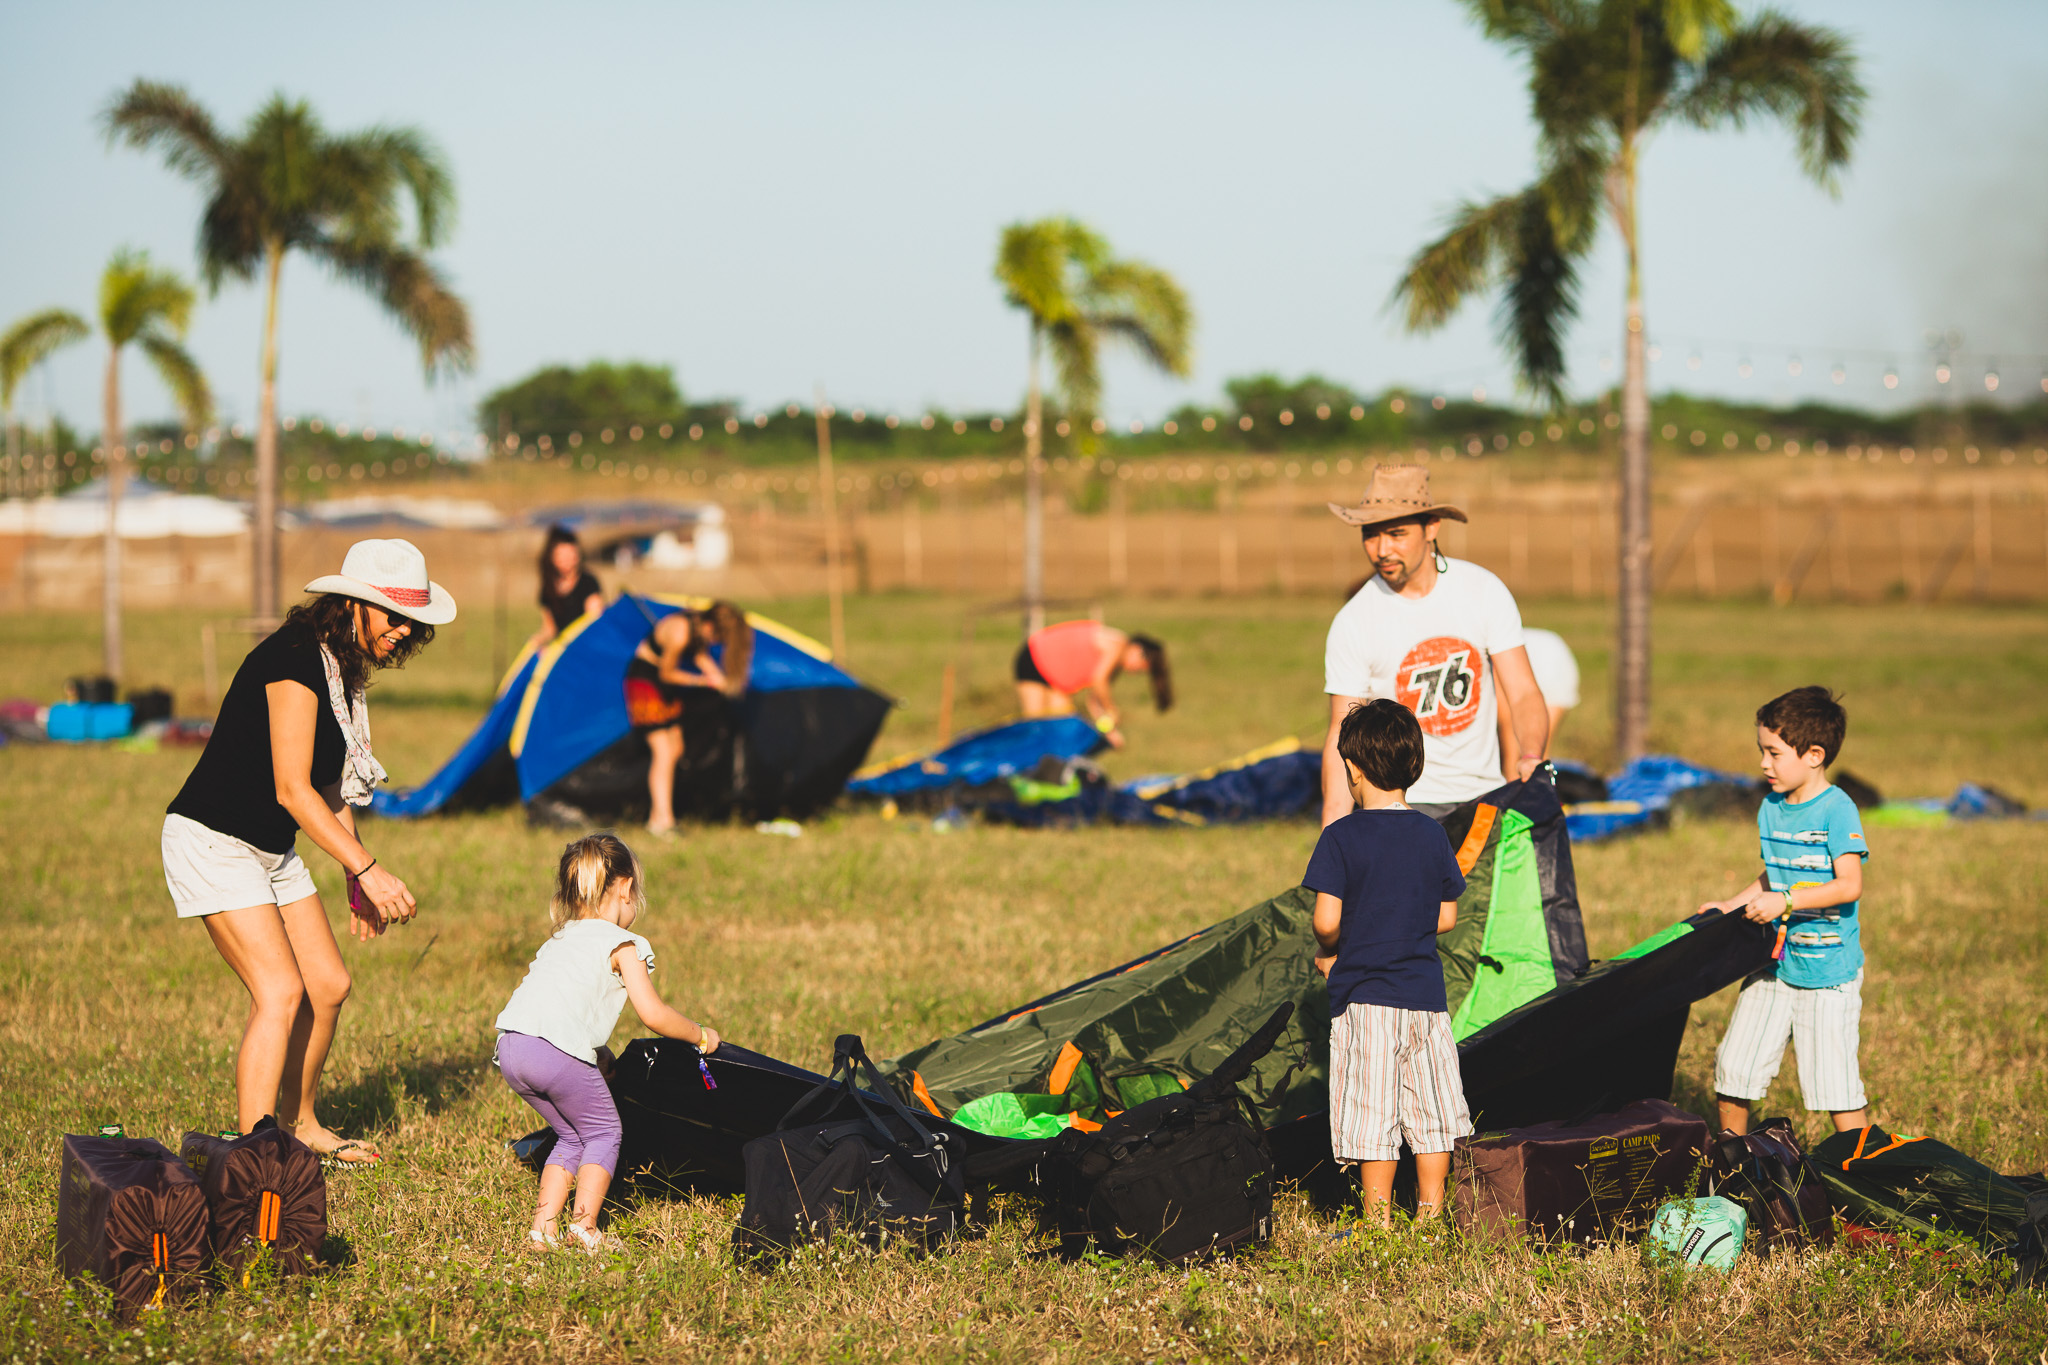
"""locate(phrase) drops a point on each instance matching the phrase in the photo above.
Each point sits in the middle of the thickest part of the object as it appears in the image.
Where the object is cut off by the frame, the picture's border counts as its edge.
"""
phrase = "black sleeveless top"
(233, 786)
(564, 610)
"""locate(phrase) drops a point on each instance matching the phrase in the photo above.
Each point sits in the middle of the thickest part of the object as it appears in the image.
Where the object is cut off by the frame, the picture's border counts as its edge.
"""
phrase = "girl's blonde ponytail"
(588, 869)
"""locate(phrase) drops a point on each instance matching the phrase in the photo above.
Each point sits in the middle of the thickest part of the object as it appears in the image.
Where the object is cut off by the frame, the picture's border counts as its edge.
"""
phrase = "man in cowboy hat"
(1439, 636)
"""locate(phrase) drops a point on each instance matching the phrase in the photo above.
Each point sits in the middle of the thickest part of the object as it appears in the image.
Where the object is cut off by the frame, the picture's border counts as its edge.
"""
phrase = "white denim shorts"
(1822, 1024)
(209, 872)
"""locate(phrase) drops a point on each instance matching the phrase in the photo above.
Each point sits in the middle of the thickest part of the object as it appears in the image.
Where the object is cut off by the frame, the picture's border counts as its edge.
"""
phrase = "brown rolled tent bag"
(263, 1190)
(132, 1215)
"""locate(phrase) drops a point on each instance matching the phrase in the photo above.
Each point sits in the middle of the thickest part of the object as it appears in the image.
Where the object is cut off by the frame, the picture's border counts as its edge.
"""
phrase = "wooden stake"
(831, 506)
(946, 681)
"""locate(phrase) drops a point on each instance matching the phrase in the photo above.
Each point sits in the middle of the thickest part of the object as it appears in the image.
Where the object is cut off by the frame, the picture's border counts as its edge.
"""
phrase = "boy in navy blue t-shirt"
(1811, 994)
(1386, 885)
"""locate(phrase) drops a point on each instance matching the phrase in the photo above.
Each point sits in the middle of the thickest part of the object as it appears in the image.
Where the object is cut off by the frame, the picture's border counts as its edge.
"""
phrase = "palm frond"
(136, 295)
(1146, 307)
(1574, 178)
(1458, 264)
(1076, 349)
(1541, 298)
(24, 344)
(1799, 73)
(1689, 25)
(1526, 23)
(155, 116)
(415, 295)
(181, 375)
(405, 156)
(1041, 266)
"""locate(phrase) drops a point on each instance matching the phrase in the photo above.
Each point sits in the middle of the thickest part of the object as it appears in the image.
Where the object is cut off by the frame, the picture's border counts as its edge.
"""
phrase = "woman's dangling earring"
(1442, 565)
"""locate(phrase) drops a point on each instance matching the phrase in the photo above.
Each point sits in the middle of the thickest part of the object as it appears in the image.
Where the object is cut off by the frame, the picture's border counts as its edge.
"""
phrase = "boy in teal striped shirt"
(1811, 993)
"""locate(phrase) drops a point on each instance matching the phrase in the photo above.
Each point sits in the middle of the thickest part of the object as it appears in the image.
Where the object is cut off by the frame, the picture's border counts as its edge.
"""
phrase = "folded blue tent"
(981, 757)
(559, 729)
(1640, 794)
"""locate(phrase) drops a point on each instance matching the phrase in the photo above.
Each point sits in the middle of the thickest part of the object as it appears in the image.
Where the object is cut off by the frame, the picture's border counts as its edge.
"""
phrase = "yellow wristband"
(1105, 724)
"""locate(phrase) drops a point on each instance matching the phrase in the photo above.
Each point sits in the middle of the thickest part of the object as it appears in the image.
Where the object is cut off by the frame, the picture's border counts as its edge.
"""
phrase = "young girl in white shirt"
(552, 1033)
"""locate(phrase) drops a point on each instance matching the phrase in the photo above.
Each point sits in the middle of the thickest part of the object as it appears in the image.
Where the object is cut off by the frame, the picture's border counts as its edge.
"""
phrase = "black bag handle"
(849, 1058)
(1239, 1064)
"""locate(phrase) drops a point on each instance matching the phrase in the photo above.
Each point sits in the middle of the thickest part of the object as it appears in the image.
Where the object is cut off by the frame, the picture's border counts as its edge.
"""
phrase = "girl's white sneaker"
(542, 1241)
(588, 1238)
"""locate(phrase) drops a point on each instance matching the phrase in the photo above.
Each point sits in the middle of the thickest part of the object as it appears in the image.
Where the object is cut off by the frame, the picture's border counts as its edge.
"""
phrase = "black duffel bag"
(1179, 1177)
(865, 1166)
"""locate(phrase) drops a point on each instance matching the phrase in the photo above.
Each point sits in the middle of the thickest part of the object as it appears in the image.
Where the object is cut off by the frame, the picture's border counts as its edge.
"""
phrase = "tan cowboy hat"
(391, 574)
(1396, 491)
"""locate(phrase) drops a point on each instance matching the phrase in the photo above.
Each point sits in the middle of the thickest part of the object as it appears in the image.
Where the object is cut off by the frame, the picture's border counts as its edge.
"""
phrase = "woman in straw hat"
(290, 752)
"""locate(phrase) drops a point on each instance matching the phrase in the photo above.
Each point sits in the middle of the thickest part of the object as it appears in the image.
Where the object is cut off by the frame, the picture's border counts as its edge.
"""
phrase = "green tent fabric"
(1167, 1019)
(1918, 1184)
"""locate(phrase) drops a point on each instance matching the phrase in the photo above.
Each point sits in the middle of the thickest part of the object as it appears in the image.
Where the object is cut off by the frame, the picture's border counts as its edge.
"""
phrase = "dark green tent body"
(1542, 1035)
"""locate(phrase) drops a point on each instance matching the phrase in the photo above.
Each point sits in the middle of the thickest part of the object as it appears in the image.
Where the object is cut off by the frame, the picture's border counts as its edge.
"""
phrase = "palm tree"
(150, 308)
(1078, 296)
(287, 185)
(1604, 74)
(22, 348)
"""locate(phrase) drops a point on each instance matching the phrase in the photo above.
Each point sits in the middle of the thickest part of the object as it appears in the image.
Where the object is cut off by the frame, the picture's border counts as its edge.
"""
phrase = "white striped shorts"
(1394, 1075)
(1820, 1022)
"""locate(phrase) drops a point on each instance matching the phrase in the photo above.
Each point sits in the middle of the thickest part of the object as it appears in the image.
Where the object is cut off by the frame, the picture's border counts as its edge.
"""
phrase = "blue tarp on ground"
(568, 703)
(1638, 792)
(984, 756)
(1277, 782)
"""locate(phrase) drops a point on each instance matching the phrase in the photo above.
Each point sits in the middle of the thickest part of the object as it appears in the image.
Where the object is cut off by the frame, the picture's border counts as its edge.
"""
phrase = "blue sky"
(774, 196)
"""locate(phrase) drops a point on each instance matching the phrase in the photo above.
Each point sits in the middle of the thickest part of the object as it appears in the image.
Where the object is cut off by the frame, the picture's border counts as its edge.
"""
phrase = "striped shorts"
(1821, 1024)
(1394, 1075)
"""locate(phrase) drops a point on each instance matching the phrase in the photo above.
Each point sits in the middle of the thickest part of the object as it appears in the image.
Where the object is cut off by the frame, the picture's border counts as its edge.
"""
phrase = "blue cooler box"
(77, 721)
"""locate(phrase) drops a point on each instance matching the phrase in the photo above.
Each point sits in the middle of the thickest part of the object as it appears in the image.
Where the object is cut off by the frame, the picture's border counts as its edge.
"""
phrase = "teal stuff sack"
(1690, 1232)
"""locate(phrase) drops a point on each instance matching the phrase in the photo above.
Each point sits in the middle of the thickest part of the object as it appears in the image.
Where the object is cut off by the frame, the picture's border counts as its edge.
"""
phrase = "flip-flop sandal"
(333, 1160)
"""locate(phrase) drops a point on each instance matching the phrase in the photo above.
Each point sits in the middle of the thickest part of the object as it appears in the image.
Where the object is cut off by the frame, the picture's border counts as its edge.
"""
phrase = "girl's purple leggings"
(570, 1094)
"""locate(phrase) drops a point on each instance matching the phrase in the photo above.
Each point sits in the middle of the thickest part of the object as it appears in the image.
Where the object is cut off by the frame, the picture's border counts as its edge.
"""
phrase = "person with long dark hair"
(290, 752)
(672, 662)
(568, 590)
(1080, 660)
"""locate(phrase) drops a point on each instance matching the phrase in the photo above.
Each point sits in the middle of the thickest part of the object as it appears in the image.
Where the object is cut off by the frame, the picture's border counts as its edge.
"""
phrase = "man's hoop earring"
(1442, 565)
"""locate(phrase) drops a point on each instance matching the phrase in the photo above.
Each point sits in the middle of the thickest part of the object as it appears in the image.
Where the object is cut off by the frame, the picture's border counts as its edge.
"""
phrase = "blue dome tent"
(558, 736)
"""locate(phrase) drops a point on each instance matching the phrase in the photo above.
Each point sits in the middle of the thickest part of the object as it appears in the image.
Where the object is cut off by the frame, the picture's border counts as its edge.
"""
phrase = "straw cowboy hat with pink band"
(391, 574)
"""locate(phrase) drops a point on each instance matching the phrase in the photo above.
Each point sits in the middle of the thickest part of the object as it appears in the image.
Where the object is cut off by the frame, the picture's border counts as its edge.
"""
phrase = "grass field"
(111, 1011)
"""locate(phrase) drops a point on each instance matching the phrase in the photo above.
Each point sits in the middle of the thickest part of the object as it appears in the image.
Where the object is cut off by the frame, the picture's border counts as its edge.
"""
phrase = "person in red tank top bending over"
(1081, 660)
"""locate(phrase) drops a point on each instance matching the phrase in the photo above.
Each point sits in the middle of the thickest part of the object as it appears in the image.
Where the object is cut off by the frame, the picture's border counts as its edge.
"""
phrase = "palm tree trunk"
(263, 541)
(1034, 498)
(110, 559)
(1632, 655)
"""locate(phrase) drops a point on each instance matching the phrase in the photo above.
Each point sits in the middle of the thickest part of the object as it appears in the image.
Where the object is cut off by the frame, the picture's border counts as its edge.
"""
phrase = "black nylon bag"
(867, 1166)
(1918, 1184)
(1180, 1177)
(1765, 1171)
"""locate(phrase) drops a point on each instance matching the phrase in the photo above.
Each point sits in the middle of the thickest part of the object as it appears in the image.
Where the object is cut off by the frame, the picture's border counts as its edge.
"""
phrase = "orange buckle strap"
(160, 1257)
(268, 1209)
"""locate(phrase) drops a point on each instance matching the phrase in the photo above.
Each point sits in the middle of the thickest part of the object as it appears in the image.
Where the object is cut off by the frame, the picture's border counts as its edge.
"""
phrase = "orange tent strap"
(1076, 1121)
(924, 1096)
(1063, 1069)
(1475, 838)
(1863, 1136)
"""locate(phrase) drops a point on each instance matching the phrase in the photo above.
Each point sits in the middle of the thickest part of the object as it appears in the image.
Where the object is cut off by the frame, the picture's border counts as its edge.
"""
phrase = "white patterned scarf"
(361, 773)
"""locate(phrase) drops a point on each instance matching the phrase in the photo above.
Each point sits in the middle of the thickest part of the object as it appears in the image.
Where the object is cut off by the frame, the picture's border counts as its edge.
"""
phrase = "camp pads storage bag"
(865, 1165)
(262, 1190)
(1765, 1171)
(1576, 1182)
(1179, 1177)
(1690, 1232)
(130, 1214)
(1917, 1184)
